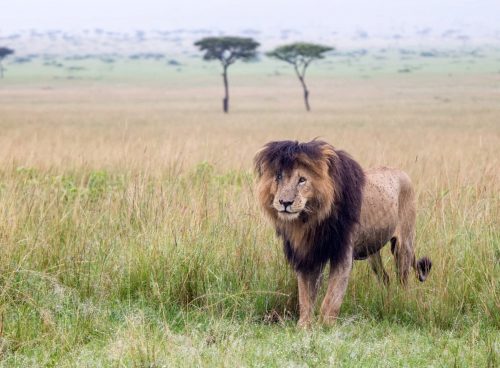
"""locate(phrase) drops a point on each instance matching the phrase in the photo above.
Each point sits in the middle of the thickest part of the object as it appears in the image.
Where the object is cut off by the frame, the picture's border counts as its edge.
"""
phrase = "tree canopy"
(5, 51)
(228, 49)
(299, 53)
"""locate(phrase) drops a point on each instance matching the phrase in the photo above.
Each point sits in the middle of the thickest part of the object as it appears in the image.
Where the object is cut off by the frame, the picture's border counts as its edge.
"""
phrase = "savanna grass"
(77, 245)
(125, 245)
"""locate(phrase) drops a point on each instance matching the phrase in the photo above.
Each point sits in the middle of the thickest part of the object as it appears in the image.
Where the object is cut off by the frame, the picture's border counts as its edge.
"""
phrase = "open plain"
(130, 234)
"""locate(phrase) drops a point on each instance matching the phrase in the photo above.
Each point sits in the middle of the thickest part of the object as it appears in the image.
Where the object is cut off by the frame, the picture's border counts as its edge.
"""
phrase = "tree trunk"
(303, 83)
(225, 101)
(306, 94)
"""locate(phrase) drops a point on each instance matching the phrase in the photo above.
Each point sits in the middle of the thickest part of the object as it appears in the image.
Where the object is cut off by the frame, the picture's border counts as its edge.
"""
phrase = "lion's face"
(292, 193)
(295, 184)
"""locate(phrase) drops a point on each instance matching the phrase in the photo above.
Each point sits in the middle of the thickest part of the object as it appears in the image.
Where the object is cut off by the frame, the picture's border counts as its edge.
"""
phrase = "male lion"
(326, 209)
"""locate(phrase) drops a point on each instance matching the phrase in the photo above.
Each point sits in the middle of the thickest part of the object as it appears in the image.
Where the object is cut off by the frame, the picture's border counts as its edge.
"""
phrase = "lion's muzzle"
(286, 205)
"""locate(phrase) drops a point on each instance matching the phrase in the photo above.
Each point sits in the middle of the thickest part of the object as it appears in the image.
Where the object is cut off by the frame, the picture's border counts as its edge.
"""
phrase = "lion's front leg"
(337, 286)
(308, 289)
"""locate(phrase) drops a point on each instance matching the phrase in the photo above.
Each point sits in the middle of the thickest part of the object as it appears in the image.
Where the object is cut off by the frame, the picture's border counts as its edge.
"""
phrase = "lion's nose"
(285, 203)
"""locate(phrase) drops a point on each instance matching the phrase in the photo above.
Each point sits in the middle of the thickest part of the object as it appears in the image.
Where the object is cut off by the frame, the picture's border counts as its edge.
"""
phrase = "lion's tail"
(423, 267)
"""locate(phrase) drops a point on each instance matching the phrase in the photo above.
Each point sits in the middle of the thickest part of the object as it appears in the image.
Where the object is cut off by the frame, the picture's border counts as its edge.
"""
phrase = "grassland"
(130, 235)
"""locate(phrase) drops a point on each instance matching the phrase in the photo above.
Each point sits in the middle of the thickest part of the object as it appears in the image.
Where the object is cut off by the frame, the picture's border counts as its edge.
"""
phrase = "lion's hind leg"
(378, 267)
(404, 257)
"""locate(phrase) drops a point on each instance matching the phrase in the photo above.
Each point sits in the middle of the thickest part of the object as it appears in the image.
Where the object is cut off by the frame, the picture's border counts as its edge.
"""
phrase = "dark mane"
(283, 155)
(329, 240)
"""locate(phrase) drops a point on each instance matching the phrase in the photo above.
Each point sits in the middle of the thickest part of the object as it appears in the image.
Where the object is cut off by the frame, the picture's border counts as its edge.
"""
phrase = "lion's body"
(327, 210)
(387, 214)
(383, 193)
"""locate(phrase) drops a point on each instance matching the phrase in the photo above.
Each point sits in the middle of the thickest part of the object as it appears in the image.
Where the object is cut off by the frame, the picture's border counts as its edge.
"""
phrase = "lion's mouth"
(288, 215)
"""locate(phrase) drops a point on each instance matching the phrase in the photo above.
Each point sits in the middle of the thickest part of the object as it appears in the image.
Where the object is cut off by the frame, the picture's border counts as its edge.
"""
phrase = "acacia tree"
(227, 50)
(300, 55)
(4, 51)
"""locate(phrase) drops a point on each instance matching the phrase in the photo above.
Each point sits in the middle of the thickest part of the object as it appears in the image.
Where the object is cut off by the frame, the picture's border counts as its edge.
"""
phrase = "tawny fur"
(387, 214)
(304, 188)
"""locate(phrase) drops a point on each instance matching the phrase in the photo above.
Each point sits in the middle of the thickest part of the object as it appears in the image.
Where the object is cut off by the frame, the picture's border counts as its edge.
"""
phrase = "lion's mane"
(322, 234)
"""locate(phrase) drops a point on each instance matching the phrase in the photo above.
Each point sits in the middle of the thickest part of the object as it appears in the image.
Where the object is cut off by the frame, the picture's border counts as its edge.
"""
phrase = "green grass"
(376, 63)
(146, 340)
(114, 268)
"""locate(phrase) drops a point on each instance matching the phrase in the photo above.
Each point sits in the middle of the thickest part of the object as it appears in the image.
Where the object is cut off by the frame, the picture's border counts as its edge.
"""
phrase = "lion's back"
(384, 191)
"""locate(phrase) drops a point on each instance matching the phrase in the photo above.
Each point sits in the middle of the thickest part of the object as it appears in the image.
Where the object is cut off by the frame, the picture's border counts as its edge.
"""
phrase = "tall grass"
(147, 239)
(197, 241)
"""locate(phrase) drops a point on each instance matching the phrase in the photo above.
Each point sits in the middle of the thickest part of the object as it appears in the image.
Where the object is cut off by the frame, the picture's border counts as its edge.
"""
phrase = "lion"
(327, 209)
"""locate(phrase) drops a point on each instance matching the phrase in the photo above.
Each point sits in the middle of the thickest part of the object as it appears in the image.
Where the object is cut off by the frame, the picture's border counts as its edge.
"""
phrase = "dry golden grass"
(120, 201)
(418, 124)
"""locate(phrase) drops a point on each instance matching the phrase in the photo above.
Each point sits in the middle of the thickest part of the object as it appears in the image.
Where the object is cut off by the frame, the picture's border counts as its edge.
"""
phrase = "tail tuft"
(424, 266)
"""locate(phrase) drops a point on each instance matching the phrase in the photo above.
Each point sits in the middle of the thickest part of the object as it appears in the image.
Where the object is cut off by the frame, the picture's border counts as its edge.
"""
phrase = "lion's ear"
(328, 151)
(330, 156)
(259, 160)
(264, 157)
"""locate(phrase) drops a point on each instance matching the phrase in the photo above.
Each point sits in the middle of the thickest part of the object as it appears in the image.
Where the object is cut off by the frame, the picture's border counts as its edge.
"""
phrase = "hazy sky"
(346, 15)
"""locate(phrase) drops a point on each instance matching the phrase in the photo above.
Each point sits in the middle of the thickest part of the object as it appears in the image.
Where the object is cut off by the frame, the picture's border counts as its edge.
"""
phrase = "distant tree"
(300, 55)
(227, 50)
(4, 52)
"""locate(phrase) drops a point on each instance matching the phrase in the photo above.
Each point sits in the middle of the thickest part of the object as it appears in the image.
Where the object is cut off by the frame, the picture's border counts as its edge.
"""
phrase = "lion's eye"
(278, 176)
(302, 180)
